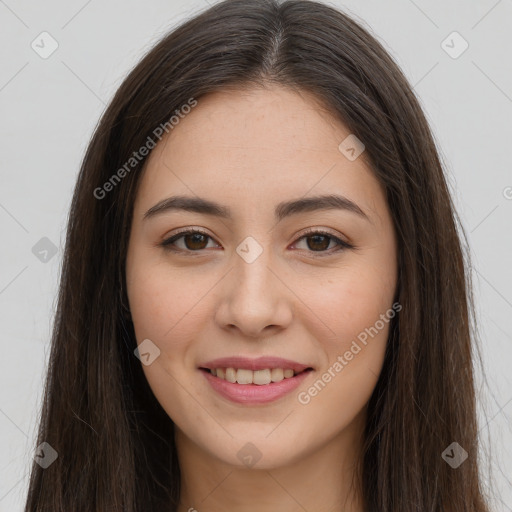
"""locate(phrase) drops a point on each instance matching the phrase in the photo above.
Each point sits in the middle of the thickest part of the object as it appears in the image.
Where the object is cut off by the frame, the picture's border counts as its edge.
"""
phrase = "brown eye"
(193, 241)
(196, 241)
(318, 242)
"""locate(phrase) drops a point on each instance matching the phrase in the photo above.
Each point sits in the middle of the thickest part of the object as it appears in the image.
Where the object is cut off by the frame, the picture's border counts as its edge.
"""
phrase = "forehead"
(249, 145)
(260, 119)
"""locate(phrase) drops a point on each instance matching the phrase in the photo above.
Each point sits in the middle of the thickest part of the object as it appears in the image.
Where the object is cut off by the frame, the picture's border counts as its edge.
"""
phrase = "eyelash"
(342, 245)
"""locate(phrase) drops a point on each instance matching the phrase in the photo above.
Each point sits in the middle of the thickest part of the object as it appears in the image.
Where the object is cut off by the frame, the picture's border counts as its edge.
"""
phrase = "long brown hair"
(114, 441)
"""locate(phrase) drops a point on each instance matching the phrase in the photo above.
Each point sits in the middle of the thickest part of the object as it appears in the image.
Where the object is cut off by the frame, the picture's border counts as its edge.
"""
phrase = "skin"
(249, 150)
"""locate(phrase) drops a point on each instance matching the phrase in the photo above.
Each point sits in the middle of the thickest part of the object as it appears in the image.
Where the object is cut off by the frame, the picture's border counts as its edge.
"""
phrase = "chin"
(257, 452)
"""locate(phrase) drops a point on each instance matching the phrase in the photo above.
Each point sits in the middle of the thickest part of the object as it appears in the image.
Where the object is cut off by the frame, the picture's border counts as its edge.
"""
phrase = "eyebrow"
(282, 210)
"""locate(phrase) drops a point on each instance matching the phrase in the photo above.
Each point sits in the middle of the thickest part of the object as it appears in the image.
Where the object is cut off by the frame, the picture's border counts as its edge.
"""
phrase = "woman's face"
(254, 285)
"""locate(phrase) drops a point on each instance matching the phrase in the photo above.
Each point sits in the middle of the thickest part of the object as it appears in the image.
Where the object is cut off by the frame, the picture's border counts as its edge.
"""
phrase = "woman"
(264, 300)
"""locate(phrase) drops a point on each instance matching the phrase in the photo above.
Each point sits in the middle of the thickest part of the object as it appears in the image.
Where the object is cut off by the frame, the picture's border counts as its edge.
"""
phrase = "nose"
(255, 300)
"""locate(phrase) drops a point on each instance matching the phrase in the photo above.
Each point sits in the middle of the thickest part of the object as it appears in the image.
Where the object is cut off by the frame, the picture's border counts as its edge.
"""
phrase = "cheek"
(164, 306)
(358, 307)
(162, 310)
(351, 302)
(354, 309)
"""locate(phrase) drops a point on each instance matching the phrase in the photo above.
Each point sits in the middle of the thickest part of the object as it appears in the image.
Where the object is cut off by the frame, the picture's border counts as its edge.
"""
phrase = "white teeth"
(244, 376)
(231, 375)
(277, 374)
(259, 377)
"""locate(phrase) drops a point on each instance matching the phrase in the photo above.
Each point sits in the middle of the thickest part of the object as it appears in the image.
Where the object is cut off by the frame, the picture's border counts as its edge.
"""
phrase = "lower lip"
(254, 393)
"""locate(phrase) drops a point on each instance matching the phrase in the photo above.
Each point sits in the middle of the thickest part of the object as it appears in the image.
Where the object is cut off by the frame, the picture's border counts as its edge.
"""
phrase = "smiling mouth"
(257, 377)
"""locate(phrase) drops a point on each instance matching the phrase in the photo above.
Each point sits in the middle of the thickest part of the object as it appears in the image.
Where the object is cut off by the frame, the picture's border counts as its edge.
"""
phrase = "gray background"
(49, 107)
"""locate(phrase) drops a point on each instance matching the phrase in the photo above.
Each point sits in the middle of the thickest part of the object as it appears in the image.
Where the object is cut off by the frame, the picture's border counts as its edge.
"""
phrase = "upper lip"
(260, 363)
